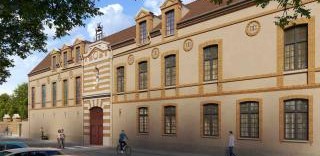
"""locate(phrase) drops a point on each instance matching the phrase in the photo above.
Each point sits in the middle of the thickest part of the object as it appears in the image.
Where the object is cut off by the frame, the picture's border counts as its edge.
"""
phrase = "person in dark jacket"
(122, 140)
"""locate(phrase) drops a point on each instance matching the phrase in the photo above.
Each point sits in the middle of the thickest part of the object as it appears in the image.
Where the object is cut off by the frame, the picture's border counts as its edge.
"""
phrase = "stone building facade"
(55, 94)
(96, 94)
(182, 80)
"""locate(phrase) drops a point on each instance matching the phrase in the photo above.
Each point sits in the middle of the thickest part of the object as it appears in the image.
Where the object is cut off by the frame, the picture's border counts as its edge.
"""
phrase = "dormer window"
(143, 32)
(78, 55)
(170, 23)
(65, 58)
(54, 62)
(144, 24)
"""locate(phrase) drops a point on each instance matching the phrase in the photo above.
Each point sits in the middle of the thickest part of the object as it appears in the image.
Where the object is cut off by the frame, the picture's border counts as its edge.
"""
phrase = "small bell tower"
(99, 32)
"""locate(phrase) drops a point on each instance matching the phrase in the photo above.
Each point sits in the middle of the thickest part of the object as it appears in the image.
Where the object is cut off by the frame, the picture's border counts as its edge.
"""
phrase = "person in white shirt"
(62, 138)
(58, 139)
(231, 144)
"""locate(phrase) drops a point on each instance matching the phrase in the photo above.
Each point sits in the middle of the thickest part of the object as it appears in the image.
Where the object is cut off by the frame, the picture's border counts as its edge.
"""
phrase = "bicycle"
(127, 150)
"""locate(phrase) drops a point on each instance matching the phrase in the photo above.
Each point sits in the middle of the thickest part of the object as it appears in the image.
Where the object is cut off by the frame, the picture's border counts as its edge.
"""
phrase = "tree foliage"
(17, 103)
(297, 6)
(22, 25)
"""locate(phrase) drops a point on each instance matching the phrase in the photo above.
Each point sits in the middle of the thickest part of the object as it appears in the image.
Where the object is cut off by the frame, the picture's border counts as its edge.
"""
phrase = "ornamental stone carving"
(130, 59)
(155, 53)
(187, 45)
(253, 28)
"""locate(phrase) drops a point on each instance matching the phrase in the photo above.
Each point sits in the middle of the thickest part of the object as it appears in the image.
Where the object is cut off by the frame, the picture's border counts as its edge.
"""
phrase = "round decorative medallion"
(253, 28)
(155, 53)
(130, 59)
(187, 45)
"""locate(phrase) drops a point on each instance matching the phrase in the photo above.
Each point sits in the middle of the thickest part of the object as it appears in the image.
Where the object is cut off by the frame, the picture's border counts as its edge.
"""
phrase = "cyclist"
(122, 140)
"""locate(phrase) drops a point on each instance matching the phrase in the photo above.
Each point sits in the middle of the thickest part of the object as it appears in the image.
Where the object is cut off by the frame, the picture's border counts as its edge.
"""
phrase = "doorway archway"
(96, 126)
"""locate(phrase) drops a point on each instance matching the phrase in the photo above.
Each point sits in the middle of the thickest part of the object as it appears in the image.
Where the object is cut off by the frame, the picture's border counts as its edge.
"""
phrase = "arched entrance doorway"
(96, 126)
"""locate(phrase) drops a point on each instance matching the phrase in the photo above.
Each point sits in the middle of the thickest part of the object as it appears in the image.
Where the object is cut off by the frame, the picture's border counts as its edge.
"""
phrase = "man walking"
(59, 139)
(62, 138)
(231, 144)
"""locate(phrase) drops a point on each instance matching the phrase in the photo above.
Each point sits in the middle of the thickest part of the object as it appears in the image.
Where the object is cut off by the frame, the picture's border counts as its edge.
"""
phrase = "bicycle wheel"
(128, 150)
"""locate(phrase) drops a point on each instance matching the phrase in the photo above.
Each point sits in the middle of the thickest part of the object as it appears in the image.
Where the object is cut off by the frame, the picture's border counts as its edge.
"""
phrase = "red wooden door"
(96, 126)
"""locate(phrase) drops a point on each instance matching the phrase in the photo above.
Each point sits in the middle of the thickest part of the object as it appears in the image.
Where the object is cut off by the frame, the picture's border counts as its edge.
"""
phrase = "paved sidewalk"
(79, 149)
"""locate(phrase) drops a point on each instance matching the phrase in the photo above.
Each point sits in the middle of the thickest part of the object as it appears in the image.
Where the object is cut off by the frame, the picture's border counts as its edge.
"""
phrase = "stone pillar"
(16, 118)
(6, 118)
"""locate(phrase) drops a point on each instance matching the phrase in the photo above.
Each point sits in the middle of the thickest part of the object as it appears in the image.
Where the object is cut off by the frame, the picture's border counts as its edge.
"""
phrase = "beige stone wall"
(249, 67)
(246, 62)
(14, 128)
(188, 117)
(50, 117)
(68, 118)
(25, 129)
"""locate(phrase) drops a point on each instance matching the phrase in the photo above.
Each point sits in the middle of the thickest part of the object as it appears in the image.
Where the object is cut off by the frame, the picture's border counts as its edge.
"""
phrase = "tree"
(19, 101)
(4, 101)
(22, 25)
(297, 6)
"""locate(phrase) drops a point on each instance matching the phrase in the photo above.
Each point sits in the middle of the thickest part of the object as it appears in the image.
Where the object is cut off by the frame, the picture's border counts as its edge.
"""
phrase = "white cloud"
(113, 20)
(187, 1)
(19, 71)
(154, 5)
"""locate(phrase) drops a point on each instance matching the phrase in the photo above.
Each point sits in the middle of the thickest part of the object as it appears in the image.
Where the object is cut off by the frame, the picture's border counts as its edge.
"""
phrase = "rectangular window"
(210, 120)
(78, 90)
(65, 92)
(78, 55)
(143, 32)
(296, 48)
(54, 62)
(210, 63)
(249, 119)
(169, 120)
(65, 59)
(143, 120)
(120, 79)
(143, 75)
(43, 95)
(32, 97)
(54, 94)
(296, 119)
(170, 23)
(170, 70)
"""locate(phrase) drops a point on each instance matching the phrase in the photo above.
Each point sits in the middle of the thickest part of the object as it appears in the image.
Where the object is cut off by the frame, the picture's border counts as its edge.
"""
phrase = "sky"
(118, 15)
